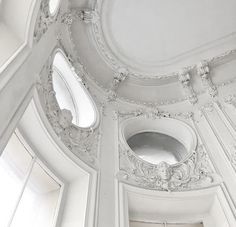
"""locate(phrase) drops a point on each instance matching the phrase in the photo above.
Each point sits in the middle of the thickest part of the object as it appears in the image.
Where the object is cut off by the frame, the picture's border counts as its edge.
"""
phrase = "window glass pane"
(39, 201)
(14, 164)
(72, 95)
(63, 95)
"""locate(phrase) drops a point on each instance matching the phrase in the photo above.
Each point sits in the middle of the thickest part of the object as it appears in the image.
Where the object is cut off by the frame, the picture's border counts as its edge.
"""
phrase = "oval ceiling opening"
(155, 147)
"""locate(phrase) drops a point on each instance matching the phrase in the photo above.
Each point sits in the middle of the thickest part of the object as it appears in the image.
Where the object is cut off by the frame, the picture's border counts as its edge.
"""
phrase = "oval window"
(71, 93)
(53, 6)
(156, 147)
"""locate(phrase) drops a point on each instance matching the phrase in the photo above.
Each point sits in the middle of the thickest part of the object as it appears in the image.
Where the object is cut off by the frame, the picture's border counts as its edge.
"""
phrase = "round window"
(158, 140)
(156, 147)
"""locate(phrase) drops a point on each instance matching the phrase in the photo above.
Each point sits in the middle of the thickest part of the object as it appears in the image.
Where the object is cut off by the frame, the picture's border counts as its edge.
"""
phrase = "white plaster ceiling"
(155, 39)
(146, 34)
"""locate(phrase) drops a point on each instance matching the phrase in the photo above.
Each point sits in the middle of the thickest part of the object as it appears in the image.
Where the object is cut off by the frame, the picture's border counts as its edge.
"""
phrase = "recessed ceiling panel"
(145, 33)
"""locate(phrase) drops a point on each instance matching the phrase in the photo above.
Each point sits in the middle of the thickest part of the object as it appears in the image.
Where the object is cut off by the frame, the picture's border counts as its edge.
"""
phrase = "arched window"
(71, 93)
(29, 193)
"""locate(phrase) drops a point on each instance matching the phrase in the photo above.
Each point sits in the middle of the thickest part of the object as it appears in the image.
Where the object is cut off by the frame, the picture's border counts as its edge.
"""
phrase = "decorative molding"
(118, 78)
(203, 70)
(184, 78)
(194, 173)
(210, 107)
(115, 63)
(113, 96)
(44, 20)
(83, 14)
(83, 142)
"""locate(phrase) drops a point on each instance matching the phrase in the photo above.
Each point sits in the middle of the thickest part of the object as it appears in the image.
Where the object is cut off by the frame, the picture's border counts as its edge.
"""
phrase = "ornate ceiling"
(169, 52)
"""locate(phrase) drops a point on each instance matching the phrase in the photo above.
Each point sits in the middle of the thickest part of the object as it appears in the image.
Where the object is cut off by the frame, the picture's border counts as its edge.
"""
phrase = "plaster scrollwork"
(83, 142)
(203, 70)
(44, 20)
(194, 173)
(184, 78)
(119, 77)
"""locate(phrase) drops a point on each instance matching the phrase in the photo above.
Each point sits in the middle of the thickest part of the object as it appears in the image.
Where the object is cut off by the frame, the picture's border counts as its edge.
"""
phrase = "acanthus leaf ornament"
(194, 173)
(203, 70)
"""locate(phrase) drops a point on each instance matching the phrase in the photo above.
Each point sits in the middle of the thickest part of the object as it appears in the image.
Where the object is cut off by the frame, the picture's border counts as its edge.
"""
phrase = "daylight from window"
(53, 6)
(71, 93)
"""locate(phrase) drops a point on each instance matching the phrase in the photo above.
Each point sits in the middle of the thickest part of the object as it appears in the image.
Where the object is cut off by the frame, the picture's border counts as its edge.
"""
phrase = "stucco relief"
(72, 15)
(44, 20)
(83, 142)
(193, 173)
(185, 80)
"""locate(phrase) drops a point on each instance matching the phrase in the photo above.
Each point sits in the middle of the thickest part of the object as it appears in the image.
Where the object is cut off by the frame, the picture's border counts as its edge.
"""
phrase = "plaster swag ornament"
(184, 78)
(44, 20)
(194, 173)
(203, 71)
(83, 142)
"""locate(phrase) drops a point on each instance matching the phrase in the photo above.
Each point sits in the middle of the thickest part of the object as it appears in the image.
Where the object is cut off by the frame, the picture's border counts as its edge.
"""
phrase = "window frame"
(77, 77)
(36, 158)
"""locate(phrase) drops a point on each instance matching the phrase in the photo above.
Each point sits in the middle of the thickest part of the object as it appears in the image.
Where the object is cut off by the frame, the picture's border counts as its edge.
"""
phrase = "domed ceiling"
(154, 40)
(150, 35)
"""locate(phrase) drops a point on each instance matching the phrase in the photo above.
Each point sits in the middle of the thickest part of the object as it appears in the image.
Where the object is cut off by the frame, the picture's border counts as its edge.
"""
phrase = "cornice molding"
(114, 63)
(114, 96)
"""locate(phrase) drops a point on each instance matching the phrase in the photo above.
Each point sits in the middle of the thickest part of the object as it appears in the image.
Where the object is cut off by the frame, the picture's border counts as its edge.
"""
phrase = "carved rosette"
(83, 142)
(203, 70)
(194, 173)
(184, 78)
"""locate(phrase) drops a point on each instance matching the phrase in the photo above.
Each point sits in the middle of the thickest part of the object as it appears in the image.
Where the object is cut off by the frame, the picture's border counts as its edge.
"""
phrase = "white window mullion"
(23, 189)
